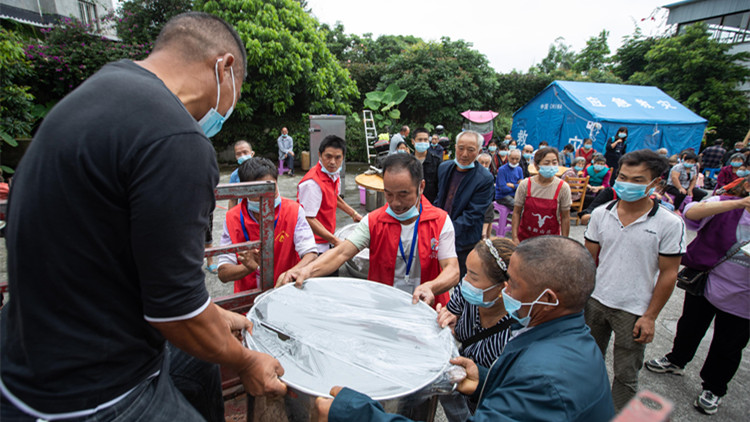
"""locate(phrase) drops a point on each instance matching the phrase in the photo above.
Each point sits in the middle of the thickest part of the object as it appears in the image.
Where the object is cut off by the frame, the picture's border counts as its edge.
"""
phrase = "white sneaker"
(707, 402)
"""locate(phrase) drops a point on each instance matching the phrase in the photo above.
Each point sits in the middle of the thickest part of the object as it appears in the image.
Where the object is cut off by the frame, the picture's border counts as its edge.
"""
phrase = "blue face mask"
(743, 173)
(513, 165)
(598, 167)
(475, 296)
(512, 147)
(688, 165)
(408, 214)
(631, 192)
(401, 151)
(622, 135)
(492, 148)
(504, 153)
(212, 122)
(462, 167)
(578, 168)
(587, 147)
(735, 163)
(254, 206)
(244, 158)
(325, 170)
(548, 171)
(512, 306)
(421, 146)
(528, 156)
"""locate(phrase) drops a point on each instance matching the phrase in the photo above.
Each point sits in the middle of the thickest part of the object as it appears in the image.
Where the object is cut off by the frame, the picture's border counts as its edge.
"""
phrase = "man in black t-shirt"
(101, 271)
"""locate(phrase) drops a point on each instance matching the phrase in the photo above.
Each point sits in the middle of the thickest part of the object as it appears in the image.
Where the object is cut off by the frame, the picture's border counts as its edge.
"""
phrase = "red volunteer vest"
(330, 189)
(385, 232)
(539, 215)
(284, 253)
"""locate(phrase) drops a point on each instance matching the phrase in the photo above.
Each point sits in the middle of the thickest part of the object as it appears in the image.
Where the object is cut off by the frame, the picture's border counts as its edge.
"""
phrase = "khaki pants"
(628, 355)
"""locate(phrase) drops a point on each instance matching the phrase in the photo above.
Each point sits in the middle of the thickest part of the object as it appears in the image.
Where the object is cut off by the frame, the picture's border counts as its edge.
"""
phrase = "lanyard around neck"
(244, 229)
(413, 244)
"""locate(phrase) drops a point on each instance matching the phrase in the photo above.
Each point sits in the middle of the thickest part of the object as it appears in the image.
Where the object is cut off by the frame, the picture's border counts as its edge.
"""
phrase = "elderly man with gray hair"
(465, 190)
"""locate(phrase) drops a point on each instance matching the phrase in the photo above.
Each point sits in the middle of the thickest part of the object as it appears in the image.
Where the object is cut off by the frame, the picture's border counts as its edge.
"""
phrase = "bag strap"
(486, 333)
(731, 253)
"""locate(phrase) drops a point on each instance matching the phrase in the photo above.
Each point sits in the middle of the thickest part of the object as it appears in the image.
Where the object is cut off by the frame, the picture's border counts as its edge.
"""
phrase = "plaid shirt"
(712, 156)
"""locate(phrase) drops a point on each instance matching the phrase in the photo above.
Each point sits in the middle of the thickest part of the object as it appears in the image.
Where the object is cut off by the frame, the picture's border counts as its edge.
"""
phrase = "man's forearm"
(343, 206)
(447, 278)
(332, 260)
(706, 209)
(306, 260)
(318, 229)
(232, 272)
(207, 337)
(662, 292)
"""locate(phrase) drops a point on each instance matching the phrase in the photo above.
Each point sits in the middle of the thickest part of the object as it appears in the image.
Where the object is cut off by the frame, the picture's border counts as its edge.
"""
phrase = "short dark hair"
(587, 140)
(240, 142)
(719, 141)
(569, 147)
(623, 129)
(399, 162)
(598, 157)
(689, 155)
(561, 264)
(504, 248)
(332, 141)
(543, 143)
(655, 163)
(420, 130)
(404, 128)
(542, 152)
(198, 36)
(255, 168)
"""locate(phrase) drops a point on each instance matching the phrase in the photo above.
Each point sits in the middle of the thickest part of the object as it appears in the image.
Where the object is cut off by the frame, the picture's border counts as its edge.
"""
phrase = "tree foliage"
(289, 67)
(560, 56)
(16, 103)
(69, 54)
(631, 56)
(594, 55)
(140, 21)
(443, 79)
(700, 73)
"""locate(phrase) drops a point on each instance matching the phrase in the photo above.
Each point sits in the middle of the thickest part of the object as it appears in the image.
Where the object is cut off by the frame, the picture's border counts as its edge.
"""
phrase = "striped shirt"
(485, 351)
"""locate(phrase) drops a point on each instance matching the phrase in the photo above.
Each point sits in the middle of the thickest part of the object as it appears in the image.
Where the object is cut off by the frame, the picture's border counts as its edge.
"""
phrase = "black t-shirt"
(430, 172)
(106, 220)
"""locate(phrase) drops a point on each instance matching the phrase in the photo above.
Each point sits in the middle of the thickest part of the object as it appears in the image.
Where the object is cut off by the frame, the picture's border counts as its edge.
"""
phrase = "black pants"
(731, 335)
(698, 195)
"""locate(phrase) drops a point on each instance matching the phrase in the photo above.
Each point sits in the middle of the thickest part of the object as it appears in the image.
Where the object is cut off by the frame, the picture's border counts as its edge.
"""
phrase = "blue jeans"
(187, 389)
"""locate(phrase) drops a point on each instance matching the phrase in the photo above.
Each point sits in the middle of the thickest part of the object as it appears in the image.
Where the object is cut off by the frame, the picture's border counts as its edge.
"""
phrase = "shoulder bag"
(694, 281)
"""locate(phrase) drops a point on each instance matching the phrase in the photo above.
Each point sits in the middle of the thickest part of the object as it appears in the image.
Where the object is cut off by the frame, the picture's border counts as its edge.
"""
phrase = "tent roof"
(479, 116)
(626, 103)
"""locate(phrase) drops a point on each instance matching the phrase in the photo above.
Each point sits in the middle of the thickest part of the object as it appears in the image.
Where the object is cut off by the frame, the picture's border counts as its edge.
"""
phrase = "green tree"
(443, 79)
(560, 56)
(700, 73)
(16, 103)
(594, 55)
(70, 54)
(631, 56)
(140, 21)
(290, 68)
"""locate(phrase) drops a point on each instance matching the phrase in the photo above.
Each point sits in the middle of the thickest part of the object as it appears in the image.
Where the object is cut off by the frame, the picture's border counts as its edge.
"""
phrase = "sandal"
(213, 268)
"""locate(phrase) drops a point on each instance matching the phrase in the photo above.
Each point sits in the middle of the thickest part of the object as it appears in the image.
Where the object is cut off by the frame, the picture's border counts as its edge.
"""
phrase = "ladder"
(371, 136)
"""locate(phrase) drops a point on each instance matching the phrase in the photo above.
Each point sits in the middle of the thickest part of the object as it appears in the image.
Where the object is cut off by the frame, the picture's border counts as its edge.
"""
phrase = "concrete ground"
(681, 390)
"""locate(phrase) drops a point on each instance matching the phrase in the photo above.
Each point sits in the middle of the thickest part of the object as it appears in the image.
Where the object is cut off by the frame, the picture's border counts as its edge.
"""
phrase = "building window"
(88, 13)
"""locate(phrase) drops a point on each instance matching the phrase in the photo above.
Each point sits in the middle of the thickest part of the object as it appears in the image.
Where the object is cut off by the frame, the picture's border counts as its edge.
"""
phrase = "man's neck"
(638, 207)
(162, 64)
(420, 155)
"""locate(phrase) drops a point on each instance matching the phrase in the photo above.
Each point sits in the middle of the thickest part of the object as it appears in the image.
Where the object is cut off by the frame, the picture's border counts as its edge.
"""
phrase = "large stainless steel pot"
(359, 265)
(354, 333)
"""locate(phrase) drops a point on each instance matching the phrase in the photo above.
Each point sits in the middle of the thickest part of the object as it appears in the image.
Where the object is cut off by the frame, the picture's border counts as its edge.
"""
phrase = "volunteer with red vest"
(318, 192)
(412, 243)
(542, 203)
(293, 237)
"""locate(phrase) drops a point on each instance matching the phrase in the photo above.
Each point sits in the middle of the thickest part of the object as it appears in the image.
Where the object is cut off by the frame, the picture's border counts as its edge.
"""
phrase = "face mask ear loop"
(234, 89)
(218, 85)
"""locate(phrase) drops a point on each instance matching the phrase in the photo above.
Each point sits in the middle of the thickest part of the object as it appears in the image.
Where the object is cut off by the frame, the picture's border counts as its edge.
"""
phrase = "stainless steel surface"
(355, 333)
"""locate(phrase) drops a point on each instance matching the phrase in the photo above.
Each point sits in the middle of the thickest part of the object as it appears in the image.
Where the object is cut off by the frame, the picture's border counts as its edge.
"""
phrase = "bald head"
(560, 264)
(198, 36)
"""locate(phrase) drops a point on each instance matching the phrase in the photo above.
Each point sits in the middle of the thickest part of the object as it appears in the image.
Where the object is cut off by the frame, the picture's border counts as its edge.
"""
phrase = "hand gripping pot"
(352, 333)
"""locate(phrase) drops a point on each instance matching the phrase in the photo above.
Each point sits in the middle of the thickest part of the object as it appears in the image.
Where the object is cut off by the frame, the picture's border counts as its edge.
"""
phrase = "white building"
(44, 13)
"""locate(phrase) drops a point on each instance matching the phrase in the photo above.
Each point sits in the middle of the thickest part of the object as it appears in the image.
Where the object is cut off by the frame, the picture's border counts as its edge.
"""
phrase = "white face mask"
(212, 122)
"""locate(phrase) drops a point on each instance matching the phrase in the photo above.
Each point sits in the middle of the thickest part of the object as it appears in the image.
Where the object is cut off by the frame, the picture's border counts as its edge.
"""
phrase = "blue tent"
(567, 112)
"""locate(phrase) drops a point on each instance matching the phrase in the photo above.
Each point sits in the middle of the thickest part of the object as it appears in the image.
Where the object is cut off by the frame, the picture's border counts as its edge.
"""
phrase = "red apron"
(539, 215)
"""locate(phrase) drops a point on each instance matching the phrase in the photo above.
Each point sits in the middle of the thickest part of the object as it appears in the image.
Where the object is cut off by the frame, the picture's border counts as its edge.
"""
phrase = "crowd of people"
(140, 336)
